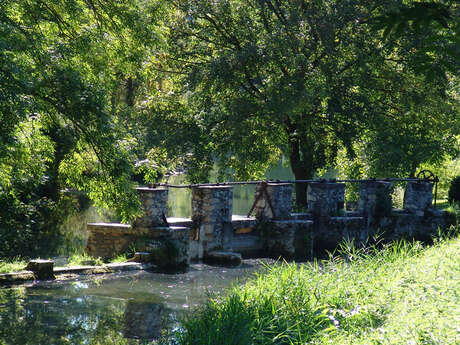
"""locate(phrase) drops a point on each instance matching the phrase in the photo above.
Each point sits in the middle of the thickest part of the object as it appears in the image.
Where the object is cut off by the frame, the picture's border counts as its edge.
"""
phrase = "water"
(111, 309)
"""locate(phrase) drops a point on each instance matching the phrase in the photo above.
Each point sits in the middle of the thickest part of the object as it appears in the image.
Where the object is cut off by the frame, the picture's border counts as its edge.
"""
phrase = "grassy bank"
(403, 294)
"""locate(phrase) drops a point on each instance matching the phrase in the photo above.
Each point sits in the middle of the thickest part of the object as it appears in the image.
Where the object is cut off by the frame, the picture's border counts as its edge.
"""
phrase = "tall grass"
(12, 265)
(400, 294)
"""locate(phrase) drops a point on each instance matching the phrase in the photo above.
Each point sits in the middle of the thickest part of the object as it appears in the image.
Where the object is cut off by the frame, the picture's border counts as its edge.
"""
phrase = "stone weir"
(213, 233)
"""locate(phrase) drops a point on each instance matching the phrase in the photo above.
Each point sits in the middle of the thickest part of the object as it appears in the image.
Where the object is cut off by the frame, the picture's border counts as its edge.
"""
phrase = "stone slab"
(224, 258)
(43, 269)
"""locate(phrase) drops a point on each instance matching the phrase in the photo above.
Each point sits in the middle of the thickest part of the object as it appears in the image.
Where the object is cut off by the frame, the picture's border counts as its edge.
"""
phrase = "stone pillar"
(418, 197)
(212, 217)
(274, 195)
(169, 247)
(325, 199)
(375, 198)
(155, 206)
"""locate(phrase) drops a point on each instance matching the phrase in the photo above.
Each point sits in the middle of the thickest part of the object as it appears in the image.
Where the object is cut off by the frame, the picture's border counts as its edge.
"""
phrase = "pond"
(130, 308)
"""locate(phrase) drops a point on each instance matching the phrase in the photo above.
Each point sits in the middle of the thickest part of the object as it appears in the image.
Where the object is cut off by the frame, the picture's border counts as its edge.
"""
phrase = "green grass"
(83, 259)
(119, 258)
(13, 265)
(401, 294)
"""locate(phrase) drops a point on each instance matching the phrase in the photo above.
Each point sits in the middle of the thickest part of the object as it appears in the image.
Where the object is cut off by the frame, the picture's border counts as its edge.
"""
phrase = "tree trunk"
(301, 172)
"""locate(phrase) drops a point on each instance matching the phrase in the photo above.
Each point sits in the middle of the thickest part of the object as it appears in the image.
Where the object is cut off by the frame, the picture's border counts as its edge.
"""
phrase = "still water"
(130, 308)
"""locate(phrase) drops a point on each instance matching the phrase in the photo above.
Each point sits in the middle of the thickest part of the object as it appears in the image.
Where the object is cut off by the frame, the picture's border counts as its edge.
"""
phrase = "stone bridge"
(214, 233)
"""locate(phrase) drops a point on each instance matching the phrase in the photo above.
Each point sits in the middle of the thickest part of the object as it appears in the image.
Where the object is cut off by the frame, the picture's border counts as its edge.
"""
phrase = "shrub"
(454, 190)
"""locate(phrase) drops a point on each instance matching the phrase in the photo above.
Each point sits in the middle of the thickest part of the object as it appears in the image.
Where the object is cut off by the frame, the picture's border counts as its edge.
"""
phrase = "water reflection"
(143, 320)
(112, 309)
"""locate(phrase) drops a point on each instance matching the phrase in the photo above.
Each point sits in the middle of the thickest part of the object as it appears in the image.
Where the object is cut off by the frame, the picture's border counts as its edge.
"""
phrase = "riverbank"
(401, 294)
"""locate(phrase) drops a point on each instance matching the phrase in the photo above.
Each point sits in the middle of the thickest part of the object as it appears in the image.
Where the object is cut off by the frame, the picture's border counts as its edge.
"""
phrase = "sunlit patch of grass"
(84, 259)
(12, 265)
(403, 293)
(119, 258)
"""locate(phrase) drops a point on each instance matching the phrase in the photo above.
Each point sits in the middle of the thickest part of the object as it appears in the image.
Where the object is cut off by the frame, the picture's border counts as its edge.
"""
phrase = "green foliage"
(71, 65)
(83, 260)
(454, 190)
(13, 265)
(436, 23)
(119, 258)
(364, 296)
(261, 78)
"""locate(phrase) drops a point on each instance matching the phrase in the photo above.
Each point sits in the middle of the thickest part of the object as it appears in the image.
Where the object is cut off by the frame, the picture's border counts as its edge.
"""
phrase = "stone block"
(223, 258)
(418, 196)
(325, 199)
(154, 205)
(42, 269)
(212, 216)
(290, 239)
(212, 204)
(329, 232)
(274, 201)
(375, 200)
(170, 247)
(141, 257)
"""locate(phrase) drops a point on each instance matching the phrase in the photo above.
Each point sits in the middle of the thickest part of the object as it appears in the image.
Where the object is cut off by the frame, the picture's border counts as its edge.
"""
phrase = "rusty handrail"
(236, 183)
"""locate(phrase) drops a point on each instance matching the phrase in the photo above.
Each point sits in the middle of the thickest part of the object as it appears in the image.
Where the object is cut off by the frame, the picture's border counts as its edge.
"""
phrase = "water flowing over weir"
(270, 229)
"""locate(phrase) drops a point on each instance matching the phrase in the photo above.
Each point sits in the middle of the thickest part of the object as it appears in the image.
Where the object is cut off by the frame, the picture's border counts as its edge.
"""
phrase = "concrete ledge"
(223, 258)
(110, 227)
(175, 221)
(16, 277)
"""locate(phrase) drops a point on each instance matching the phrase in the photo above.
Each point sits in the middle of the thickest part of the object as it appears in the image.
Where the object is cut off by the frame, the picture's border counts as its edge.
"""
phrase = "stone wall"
(109, 239)
(168, 246)
(275, 231)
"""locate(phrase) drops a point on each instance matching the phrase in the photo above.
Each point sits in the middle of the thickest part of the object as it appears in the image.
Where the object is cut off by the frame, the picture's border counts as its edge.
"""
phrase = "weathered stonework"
(274, 201)
(375, 200)
(291, 239)
(331, 231)
(325, 199)
(212, 217)
(402, 224)
(223, 258)
(42, 269)
(213, 233)
(154, 205)
(169, 246)
(109, 239)
(418, 197)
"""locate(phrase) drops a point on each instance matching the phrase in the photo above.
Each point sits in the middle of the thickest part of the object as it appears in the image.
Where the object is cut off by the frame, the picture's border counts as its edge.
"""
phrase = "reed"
(399, 293)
